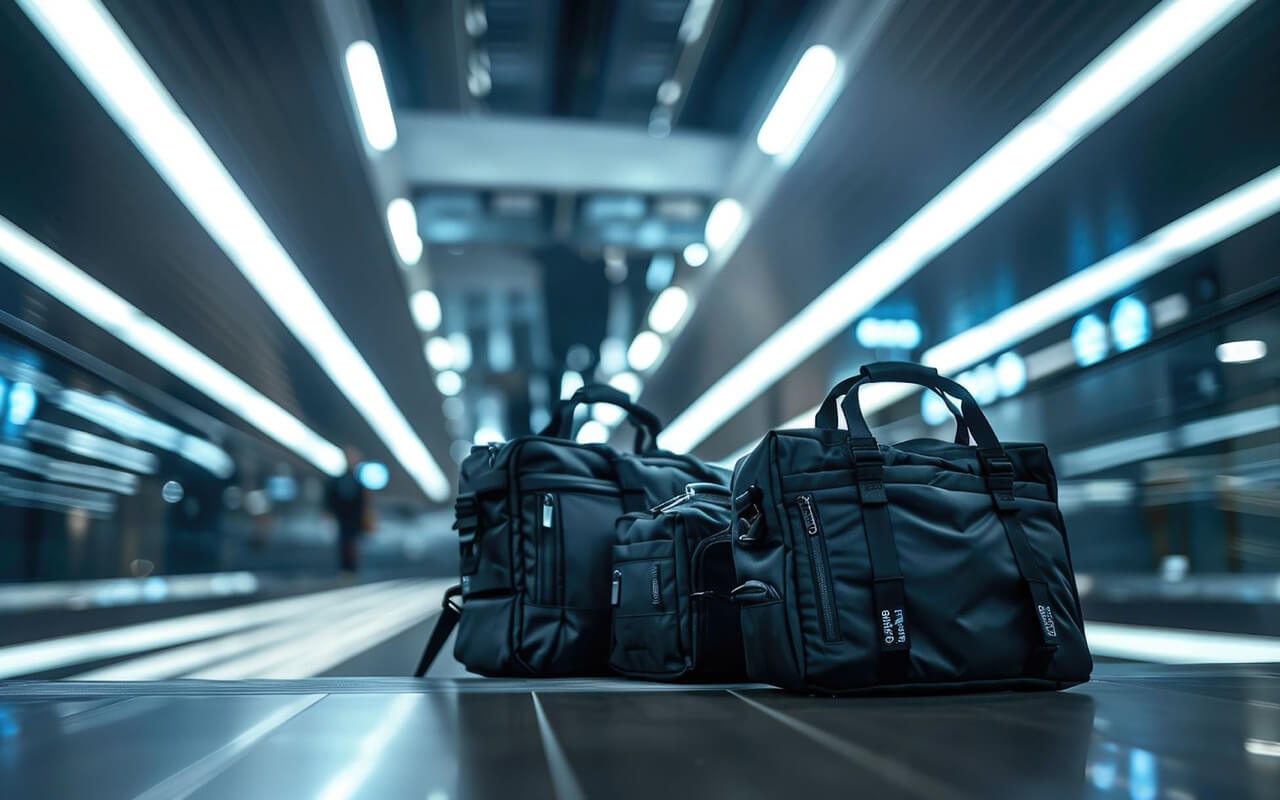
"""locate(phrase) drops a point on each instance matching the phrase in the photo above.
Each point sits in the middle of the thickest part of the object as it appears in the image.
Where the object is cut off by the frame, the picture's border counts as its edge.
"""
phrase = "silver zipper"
(548, 509)
(806, 511)
(818, 561)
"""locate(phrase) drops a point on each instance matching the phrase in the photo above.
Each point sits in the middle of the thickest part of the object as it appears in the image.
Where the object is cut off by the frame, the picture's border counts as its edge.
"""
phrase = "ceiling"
(552, 148)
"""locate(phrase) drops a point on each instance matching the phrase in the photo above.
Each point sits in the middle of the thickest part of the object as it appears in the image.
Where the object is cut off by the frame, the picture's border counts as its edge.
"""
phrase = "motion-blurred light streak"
(1172, 244)
(795, 114)
(97, 50)
(69, 284)
(369, 92)
(1148, 50)
(82, 648)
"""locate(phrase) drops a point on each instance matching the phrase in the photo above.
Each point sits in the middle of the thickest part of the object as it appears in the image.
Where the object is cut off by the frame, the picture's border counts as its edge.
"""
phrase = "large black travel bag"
(919, 566)
(673, 617)
(535, 519)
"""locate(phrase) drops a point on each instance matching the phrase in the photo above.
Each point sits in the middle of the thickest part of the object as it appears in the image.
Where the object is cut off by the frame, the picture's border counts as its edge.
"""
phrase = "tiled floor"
(1138, 731)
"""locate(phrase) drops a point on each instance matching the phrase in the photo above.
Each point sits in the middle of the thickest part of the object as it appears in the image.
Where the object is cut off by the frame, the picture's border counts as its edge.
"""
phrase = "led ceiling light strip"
(1147, 51)
(1184, 237)
(93, 45)
(106, 309)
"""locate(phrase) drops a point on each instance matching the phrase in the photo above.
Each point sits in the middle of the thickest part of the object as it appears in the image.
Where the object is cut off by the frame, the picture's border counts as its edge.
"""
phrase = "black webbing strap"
(999, 472)
(888, 587)
(449, 615)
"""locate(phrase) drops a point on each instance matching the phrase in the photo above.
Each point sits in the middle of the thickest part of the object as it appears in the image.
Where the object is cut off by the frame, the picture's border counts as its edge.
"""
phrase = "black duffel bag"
(535, 519)
(920, 566)
(673, 617)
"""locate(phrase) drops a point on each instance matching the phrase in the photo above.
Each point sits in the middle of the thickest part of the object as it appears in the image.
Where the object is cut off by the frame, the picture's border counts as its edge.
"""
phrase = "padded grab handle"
(647, 424)
(904, 372)
(891, 371)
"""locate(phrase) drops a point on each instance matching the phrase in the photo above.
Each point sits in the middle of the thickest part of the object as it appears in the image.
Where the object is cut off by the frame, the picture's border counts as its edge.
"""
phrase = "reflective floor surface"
(1137, 731)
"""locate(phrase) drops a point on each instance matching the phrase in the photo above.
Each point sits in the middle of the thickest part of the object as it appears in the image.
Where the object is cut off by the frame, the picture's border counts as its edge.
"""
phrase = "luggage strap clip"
(750, 515)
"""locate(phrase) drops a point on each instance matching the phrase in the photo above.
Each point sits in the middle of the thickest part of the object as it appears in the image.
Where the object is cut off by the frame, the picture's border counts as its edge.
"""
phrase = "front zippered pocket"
(818, 564)
(548, 567)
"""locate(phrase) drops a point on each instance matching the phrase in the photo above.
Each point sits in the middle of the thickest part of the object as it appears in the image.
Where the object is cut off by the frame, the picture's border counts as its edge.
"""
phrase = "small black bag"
(535, 519)
(920, 566)
(673, 618)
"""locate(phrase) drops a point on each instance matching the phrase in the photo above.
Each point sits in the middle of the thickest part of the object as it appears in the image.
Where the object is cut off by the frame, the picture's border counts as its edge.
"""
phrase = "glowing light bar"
(402, 221)
(369, 90)
(644, 350)
(61, 279)
(1147, 51)
(1201, 229)
(1177, 646)
(93, 45)
(668, 309)
(726, 219)
(1175, 242)
(793, 113)
(1241, 352)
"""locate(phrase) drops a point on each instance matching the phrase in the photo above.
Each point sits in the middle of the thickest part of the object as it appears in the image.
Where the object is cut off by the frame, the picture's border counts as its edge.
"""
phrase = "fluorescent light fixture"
(1147, 51)
(1241, 352)
(373, 475)
(723, 223)
(369, 90)
(570, 382)
(644, 350)
(696, 254)
(593, 432)
(425, 307)
(668, 309)
(1184, 237)
(449, 383)
(106, 309)
(439, 353)
(793, 113)
(402, 221)
(91, 42)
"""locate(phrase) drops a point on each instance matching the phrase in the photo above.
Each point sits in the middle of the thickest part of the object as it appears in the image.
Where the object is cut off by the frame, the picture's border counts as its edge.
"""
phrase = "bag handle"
(646, 423)
(826, 417)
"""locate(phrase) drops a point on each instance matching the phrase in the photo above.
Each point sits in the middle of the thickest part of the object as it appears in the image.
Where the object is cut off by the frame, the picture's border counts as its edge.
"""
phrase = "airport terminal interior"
(271, 271)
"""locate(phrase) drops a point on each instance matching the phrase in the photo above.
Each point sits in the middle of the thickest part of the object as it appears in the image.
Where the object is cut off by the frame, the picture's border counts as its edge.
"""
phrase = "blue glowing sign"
(1011, 374)
(1130, 323)
(1089, 340)
(22, 403)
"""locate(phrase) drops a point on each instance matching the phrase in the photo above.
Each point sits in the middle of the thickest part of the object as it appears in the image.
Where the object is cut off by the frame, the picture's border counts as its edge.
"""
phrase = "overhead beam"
(559, 155)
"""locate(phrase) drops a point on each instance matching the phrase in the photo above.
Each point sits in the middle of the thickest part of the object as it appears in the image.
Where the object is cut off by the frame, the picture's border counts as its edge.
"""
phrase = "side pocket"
(766, 645)
(484, 635)
(646, 639)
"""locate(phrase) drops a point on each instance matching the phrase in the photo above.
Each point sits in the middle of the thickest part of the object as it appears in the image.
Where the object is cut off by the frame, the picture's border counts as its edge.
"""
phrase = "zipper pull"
(615, 594)
(493, 452)
(806, 511)
(548, 510)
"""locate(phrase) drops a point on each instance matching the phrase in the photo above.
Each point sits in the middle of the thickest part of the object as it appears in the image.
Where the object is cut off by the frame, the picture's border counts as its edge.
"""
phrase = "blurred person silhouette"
(348, 501)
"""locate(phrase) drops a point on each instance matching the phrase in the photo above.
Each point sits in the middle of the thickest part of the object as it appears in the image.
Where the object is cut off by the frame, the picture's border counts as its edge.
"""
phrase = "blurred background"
(270, 269)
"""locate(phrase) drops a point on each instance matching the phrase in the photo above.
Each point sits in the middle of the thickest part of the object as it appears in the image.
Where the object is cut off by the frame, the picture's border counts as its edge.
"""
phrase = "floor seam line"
(563, 782)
